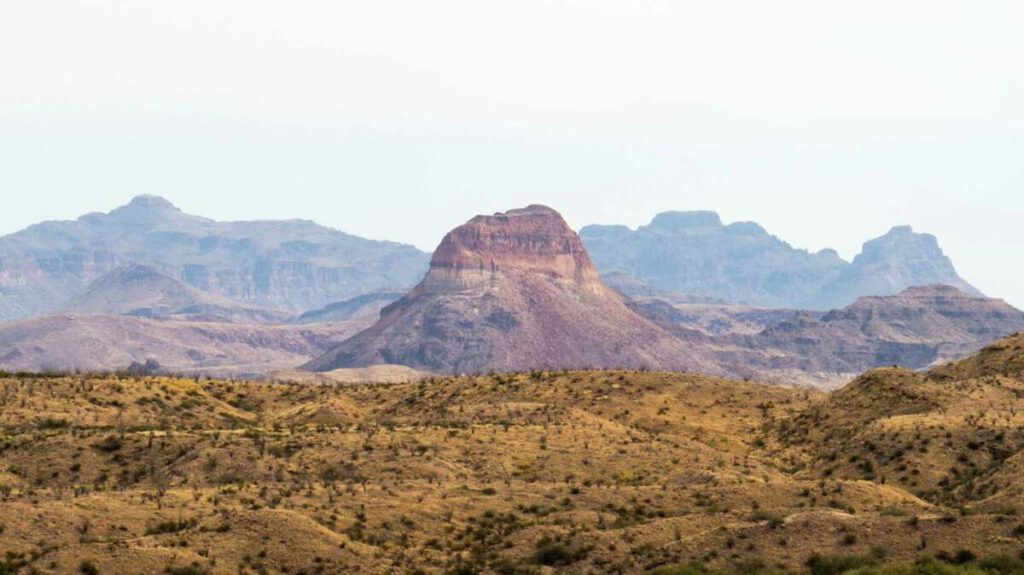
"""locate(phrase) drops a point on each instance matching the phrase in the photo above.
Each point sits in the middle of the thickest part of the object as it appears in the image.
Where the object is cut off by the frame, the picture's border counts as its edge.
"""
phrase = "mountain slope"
(694, 253)
(953, 435)
(917, 328)
(293, 265)
(102, 343)
(139, 290)
(512, 291)
(361, 306)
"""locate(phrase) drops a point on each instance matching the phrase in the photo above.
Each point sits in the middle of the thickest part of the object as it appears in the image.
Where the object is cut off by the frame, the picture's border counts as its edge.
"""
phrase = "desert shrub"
(838, 564)
(772, 519)
(108, 444)
(1002, 564)
(961, 557)
(552, 552)
(88, 568)
(165, 527)
(682, 569)
(12, 563)
(193, 569)
(52, 423)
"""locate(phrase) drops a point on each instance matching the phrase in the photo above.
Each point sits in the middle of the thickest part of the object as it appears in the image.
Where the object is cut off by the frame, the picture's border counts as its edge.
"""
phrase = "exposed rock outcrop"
(512, 291)
(917, 328)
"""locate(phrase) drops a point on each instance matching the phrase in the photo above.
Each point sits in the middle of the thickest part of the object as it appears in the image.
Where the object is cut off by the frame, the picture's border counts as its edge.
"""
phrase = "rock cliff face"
(533, 240)
(512, 291)
(293, 265)
(694, 253)
(894, 262)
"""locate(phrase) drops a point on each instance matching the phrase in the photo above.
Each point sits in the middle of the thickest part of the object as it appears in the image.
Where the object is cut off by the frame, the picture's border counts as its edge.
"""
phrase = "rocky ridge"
(291, 265)
(694, 253)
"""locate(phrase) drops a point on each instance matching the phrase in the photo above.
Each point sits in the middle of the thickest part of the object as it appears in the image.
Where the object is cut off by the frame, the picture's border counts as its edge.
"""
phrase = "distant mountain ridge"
(293, 265)
(916, 329)
(694, 253)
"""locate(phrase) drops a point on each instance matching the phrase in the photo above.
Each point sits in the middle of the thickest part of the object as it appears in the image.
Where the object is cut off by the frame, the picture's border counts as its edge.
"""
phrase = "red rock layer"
(534, 240)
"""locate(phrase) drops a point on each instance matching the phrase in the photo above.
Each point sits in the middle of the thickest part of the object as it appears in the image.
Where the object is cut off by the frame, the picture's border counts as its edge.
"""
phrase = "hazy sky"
(827, 122)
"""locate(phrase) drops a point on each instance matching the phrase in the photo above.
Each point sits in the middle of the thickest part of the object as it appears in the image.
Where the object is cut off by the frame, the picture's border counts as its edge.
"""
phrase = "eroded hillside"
(569, 472)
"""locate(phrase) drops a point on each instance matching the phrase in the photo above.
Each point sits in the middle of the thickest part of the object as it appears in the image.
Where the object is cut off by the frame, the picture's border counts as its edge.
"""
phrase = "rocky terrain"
(292, 265)
(694, 253)
(507, 292)
(578, 472)
(917, 328)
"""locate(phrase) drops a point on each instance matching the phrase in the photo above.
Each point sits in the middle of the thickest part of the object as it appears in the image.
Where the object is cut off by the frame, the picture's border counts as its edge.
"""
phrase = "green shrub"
(552, 552)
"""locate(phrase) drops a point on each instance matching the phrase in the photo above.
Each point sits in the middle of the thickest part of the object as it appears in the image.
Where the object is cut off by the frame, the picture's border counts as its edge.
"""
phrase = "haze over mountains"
(293, 265)
(694, 254)
(507, 292)
(517, 291)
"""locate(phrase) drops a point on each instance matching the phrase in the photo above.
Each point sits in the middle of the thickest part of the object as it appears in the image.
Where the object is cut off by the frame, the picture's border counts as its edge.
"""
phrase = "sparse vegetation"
(513, 474)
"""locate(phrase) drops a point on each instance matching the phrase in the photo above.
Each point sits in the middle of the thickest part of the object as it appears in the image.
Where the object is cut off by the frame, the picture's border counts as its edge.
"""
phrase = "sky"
(826, 122)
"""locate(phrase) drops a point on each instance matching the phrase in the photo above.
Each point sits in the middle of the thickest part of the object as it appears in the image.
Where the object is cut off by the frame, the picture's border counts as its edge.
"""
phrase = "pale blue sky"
(826, 122)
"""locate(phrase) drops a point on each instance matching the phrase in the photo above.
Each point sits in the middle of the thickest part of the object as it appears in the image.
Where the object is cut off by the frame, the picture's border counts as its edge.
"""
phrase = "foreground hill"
(694, 253)
(512, 291)
(293, 265)
(568, 472)
(954, 435)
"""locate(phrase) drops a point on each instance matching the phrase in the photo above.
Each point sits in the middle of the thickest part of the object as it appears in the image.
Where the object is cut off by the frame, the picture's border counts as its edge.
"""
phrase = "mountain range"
(291, 265)
(517, 291)
(695, 254)
(507, 292)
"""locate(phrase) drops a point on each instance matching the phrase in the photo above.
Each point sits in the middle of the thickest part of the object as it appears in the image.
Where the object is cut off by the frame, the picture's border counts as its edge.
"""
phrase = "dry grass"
(577, 472)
